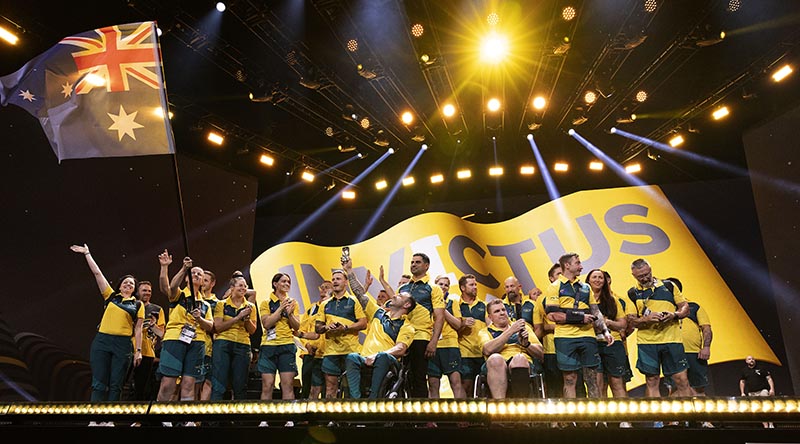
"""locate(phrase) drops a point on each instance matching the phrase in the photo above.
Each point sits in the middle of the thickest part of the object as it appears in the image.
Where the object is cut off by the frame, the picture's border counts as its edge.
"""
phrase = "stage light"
(734, 5)
(464, 174)
(390, 151)
(160, 112)
(496, 171)
(8, 36)
(493, 19)
(494, 48)
(267, 160)
(590, 97)
(417, 30)
(571, 132)
(613, 130)
(307, 176)
(596, 166)
(215, 138)
(568, 13)
(650, 5)
(529, 137)
(437, 178)
(381, 184)
(526, 170)
(221, 7)
(720, 113)
(781, 74)
(539, 103)
(352, 45)
(561, 166)
(348, 194)
(493, 104)
(641, 96)
(346, 148)
(408, 180)
(449, 110)
(407, 118)
(364, 122)
(676, 141)
(329, 131)
(633, 168)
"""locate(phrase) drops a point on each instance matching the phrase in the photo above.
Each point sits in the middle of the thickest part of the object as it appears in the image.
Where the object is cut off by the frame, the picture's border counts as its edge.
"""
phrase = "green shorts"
(698, 371)
(446, 361)
(613, 360)
(333, 365)
(657, 358)
(277, 358)
(471, 367)
(181, 359)
(573, 354)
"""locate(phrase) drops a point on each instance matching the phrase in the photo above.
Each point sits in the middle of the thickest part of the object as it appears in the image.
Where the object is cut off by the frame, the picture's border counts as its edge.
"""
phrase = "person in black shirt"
(756, 381)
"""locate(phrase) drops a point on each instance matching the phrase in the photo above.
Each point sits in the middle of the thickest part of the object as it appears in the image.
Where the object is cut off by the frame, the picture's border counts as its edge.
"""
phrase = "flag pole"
(184, 232)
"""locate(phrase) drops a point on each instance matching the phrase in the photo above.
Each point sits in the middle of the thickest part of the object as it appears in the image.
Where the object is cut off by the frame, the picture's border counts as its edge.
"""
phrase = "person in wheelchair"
(509, 349)
(388, 336)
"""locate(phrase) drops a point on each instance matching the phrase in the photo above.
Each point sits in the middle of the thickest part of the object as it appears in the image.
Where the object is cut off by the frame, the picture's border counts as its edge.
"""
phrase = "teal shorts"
(446, 361)
(333, 365)
(613, 360)
(657, 358)
(277, 358)
(181, 359)
(573, 354)
(471, 367)
(698, 371)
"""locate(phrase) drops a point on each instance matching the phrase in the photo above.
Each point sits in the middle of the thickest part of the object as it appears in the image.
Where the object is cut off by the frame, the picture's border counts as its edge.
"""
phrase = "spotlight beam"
(311, 219)
(552, 190)
(281, 192)
(386, 200)
(713, 163)
(611, 163)
(498, 193)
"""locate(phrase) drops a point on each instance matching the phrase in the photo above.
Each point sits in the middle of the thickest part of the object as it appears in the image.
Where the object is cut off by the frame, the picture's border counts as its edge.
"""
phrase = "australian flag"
(98, 94)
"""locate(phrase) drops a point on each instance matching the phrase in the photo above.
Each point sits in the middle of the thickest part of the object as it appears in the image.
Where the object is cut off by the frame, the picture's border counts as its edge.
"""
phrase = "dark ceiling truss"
(609, 59)
(788, 49)
(380, 77)
(550, 64)
(434, 70)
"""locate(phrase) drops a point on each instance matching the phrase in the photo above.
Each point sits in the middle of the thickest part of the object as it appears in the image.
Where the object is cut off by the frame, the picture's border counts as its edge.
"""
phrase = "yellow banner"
(608, 228)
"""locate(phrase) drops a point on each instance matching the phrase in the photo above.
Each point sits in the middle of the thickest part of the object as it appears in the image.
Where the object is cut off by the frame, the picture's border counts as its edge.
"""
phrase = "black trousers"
(418, 369)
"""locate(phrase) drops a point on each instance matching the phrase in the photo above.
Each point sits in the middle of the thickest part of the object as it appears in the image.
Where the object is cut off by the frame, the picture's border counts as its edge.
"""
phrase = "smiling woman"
(112, 349)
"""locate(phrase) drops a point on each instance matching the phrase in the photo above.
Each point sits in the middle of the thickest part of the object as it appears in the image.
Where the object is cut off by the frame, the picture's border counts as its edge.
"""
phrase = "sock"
(519, 382)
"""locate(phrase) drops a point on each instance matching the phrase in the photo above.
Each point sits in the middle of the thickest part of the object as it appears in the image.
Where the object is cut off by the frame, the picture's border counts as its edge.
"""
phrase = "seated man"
(388, 336)
(509, 349)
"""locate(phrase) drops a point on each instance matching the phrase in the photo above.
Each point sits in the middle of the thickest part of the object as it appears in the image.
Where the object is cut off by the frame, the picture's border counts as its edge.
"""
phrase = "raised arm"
(177, 280)
(355, 285)
(386, 286)
(165, 260)
(102, 282)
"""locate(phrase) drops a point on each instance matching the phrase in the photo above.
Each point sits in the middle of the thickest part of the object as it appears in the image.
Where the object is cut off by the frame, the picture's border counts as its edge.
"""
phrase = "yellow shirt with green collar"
(281, 332)
(227, 309)
(539, 317)
(658, 298)
(449, 337)
(308, 325)
(512, 347)
(384, 331)
(178, 317)
(564, 294)
(690, 328)
(620, 315)
(120, 314)
(469, 341)
(345, 310)
(148, 343)
(428, 297)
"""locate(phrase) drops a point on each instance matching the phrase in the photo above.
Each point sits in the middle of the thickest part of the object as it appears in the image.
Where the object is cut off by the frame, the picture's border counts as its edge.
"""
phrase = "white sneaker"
(166, 424)
(107, 424)
(94, 424)
(190, 424)
(263, 424)
(289, 424)
(625, 425)
(706, 425)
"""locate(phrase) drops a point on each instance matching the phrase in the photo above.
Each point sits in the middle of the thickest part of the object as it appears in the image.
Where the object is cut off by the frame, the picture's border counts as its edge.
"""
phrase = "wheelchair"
(393, 386)
(536, 388)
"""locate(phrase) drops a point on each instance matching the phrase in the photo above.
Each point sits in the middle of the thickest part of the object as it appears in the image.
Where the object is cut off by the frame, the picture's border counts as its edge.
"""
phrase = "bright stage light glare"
(596, 166)
(496, 171)
(650, 5)
(267, 160)
(381, 184)
(641, 96)
(160, 112)
(613, 130)
(94, 79)
(407, 118)
(633, 168)
(437, 178)
(571, 132)
(391, 150)
(215, 138)
(221, 7)
(539, 103)
(568, 13)
(676, 141)
(352, 45)
(449, 110)
(590, 97)
(493, 19)
(529, 137)
(307, 176)
(417, 30)
(464, 174)
(364, 122)
(781, 73)
(424, 147)
(408, 180)
(348, 194)
(8, 36)
(526, 170)
(561, 166)
(494, 48)
(493, 104)
(720, 113)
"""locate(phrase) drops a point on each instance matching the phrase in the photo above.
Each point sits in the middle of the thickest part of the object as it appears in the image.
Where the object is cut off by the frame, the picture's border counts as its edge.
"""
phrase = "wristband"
(574, 317)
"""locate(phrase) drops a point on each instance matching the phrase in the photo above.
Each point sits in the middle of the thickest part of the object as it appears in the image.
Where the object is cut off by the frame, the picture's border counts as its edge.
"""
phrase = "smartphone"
(345, 254)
